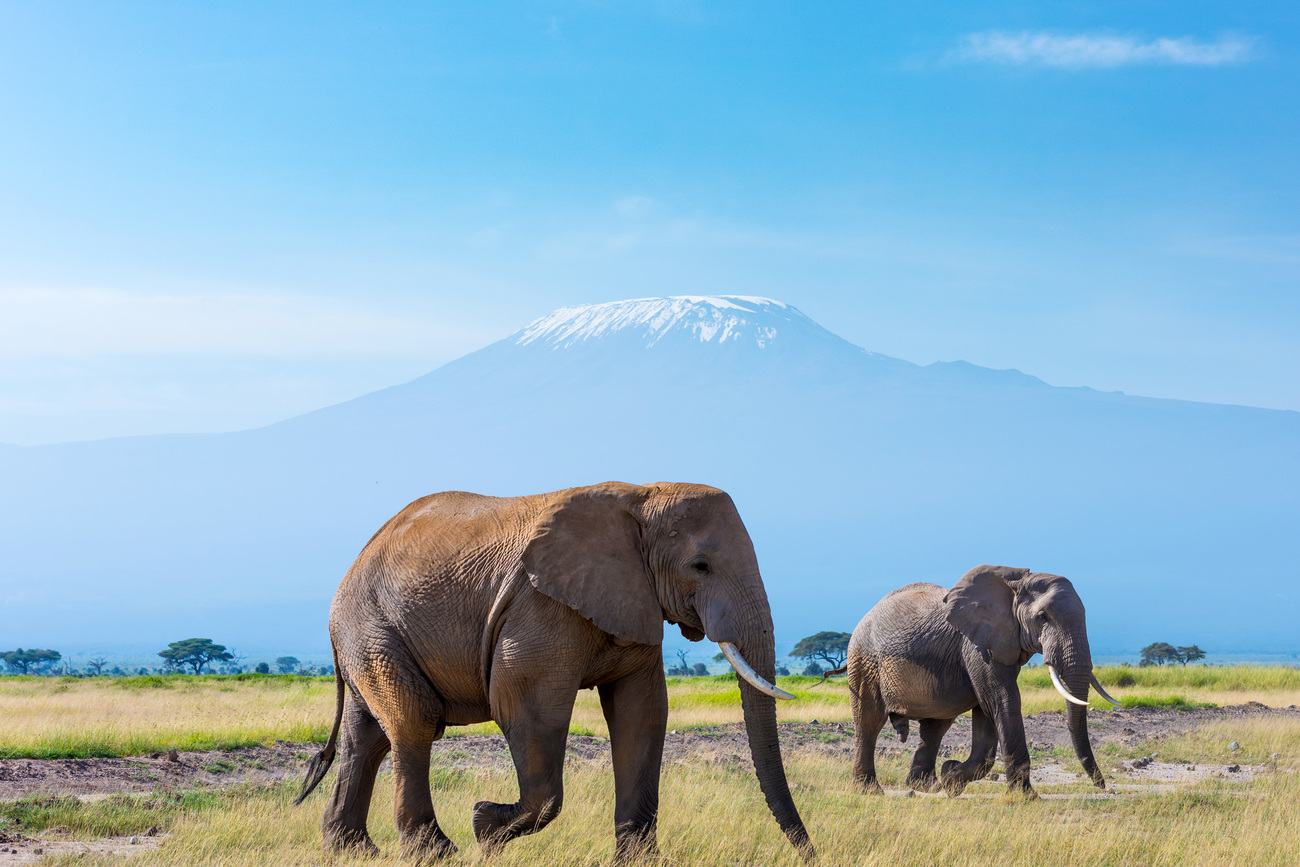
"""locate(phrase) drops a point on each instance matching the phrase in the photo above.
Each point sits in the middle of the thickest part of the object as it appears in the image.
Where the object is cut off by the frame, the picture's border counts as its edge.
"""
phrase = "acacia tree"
(1189, 654)
(1159, 653)
(287, 664)
(830, 647)
(195, 653)
(96, 664)
(24, 661)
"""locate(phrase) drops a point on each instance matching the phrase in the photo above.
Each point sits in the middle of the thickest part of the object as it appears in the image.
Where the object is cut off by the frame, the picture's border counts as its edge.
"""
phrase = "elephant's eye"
(701, 566)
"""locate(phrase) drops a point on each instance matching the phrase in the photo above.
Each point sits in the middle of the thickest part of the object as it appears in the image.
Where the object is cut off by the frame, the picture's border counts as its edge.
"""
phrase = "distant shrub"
(147, 681)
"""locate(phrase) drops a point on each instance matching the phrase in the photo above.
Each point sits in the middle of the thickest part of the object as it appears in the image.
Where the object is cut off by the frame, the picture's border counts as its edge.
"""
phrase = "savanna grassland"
(711, 809)
(103, 716)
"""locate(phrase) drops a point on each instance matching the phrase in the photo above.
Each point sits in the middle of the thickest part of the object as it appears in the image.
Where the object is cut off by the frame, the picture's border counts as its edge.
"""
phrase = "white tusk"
(742, 668)
(1103, 693)
(1060, 687)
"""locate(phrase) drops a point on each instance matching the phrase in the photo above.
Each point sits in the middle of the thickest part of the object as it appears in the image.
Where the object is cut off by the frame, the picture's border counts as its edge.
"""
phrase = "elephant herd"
(466, 608)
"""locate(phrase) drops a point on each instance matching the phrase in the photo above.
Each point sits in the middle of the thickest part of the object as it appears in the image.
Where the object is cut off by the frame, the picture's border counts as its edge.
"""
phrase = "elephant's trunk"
(1073, 662)
(760, 724)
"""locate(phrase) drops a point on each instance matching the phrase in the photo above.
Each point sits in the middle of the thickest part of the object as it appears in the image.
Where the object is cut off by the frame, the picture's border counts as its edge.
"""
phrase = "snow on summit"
(708, 318)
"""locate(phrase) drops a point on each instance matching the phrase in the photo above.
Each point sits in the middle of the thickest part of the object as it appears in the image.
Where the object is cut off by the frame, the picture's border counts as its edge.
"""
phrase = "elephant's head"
(1011, 614)
(630, 557)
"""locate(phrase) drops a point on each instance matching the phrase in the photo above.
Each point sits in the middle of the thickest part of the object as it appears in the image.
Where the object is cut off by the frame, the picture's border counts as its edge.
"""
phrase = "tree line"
(1162, 652)
(820, 652)
(190, 655)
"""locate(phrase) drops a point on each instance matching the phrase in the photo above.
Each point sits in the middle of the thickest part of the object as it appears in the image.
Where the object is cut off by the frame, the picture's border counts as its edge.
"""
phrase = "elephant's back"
(907, 648)
(436, 556)
(901, 610)
(446, 528)
(423, 588)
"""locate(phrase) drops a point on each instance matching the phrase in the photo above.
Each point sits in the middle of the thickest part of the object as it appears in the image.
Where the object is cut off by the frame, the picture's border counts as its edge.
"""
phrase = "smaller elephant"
(929, 654)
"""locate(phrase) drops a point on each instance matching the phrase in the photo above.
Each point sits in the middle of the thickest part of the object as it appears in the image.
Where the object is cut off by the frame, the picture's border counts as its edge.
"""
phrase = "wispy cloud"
(1091, 51)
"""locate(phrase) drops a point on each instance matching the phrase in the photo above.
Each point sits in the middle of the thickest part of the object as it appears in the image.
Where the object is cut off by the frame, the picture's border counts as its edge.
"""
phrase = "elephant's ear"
(979, 606)
(586, 552)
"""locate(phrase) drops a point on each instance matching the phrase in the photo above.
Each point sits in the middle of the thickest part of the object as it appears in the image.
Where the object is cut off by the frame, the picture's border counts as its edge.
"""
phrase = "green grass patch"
(121, 815)
(1219, 678)
(1176, 702)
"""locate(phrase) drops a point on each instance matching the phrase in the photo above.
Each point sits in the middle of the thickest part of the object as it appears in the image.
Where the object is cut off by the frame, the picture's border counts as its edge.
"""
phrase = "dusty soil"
(96, 778)
(20, 849)
(20, 778)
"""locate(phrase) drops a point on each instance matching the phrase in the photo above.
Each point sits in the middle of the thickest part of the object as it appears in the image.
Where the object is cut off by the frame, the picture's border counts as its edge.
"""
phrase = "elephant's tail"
(843, 668)
(320, 763)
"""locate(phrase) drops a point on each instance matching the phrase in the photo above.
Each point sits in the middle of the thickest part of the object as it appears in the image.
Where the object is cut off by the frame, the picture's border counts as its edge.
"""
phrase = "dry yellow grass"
(713, 814)
(49, 717)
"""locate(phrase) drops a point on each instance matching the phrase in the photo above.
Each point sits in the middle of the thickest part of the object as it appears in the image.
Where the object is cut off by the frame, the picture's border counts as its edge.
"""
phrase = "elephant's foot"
(428, 843)
(497, 824)
(636, 847)
(1020, 792)
(923, 782)
(492, 824)
(952, 779)
(350, 841)
(869, 786)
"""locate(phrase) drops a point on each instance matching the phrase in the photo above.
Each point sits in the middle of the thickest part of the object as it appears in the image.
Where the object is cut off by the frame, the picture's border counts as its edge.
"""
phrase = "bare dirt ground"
(98, 778)
(89, 778)
(21, 849)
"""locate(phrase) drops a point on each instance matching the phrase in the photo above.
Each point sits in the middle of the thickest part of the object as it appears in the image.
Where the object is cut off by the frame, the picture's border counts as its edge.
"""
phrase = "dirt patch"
(29, 850)
(91, 778)
(20, 778)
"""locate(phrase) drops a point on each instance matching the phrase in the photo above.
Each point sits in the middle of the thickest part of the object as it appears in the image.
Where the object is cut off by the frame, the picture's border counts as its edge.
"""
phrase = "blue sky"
(216, 215)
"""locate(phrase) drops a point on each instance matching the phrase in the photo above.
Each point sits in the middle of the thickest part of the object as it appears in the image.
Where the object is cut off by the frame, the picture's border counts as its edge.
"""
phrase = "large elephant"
(465, 608)
(929, 654)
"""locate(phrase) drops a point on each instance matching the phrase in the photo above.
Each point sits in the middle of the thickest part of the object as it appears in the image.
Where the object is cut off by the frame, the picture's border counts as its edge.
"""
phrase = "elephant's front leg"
(636, 709)
(1011, 730)
(534, 717)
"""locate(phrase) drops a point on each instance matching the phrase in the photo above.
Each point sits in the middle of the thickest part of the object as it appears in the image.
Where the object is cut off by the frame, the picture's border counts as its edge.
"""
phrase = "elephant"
(929, 654)
(466, 608)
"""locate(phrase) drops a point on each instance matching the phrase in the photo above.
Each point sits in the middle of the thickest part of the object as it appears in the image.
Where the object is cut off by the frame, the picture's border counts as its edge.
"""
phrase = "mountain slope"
(855, 472)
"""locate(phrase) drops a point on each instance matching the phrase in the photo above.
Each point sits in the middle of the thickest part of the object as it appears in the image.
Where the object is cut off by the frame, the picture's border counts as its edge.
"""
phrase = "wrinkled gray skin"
(465, 608)
(929, 654)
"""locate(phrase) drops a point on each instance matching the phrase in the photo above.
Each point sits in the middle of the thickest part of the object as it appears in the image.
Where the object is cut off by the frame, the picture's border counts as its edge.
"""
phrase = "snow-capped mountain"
(709, 319)
(855, 473)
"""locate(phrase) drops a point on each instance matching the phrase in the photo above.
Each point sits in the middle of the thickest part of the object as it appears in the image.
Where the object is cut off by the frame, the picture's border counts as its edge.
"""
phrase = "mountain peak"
(704, 318)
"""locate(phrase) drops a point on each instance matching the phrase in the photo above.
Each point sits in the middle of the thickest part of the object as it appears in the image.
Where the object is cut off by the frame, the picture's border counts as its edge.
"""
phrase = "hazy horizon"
(219, 219)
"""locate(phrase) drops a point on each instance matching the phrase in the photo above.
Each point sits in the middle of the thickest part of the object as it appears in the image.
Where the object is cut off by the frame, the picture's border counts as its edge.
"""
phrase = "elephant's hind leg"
(413, 715)
(868, 719)
(362, 747)
(417, 825)
(399, 694)
(921, 775)
(983, 750)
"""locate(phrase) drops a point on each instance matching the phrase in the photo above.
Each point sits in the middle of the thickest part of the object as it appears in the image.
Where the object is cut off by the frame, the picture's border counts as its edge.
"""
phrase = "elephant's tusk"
(1060, 687)
(737, 661)
(1103, 693)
